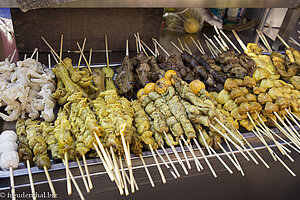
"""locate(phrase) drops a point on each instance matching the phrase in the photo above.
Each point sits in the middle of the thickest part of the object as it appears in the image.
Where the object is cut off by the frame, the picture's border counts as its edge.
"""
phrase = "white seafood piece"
(9, 159)
(7, 136)
(8, 146)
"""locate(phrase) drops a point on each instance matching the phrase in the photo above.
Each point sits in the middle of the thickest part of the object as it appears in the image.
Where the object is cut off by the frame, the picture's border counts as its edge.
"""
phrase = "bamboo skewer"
(33, 53)
(221, 160)
(239, 41)
(228, 156)
(61, 46)
(110, 174)
(90, 56)
(106, 51)
(184, 154)
(49, 61)
(170, 160)
(176, 47)
(69, 188)
(134, 182)
(211, 42)
(114, 172)
(199, 43)
(193, 154)
(265, 143)
(176, 154)
(50, 182)
(157, 164)
(166, 164)
(292, 117)
(80, 56)
(155, 48)
(206, 160)
(266, 41)
(282, 40)
(83, 176)
(147, 172)
(290, 124)
(180, 43)
(123, 176)
(31, 180)
(144, 44)
(277, 157)
(221, 39)
(255, 152)
(219, 42)
(25, 56)
(13, 55)
(140, 45)
(84, 58)
(161, 47)
(210, 49)
(52, 50)
(230, 42)
(87, 172)
(74, 182)
(232, 142)
(127, 48)
(117, 171)
(12, 183)
(292, 40)
(263, 39)
(37, 56)
(187, 48)
(235, 158)
(198, 47)
(54, 56)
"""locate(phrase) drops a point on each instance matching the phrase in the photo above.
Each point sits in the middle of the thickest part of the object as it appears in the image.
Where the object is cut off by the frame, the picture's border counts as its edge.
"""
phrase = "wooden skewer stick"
(54, 56)
(37, 56)
(200, 45)
(106, 51)
(197, 45)
(221, 160)
(127, 48)
(210, 49)
(157, 164)
(106, 159)
(176, 154)
(292, 117)
(232, 142)
(33, 53)
(123, 176)
(149, 49)
(25, 56)
(170, 160)
(31, 180)
(255, 152)
(134, 182)
(161, 47)
(110, 174)
(184, 154)
(83, 176)
(114, 171)
(137, 46)
(49, 61)
(296, 143)
(69, 188)
(228, 156)
(212, 43)
(51, 49)
(90, 56)
(277, 157)
(147, 172)
(187, 48)
(61, 45)
(268, 133)
(140, 45)
(292, 40)
(266, 41)
(176, 47)
(287, 128)
(13, 55)
(263, 40)
(128, 158)
(193, 154)
(230, 42)
(262, 139)
(206, 160)
(166, 164)
(239, 41)
(292, 127)
(117, 171)
(12, 184)
(84, 58)
(74, 182)
(180, 43)
(235, 158)
(221, 39)
(54, 195)
(80, 56)
(219, 42)
(87, 172)
(282, 40)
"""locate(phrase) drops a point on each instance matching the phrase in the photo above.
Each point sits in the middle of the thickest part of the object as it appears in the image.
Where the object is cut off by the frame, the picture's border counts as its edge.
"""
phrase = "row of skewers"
(65, 129)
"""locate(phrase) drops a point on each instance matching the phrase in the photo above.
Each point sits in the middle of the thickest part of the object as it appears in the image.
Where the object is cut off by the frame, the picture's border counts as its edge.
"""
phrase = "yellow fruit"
(162, 85)
(196, 86)
(150, 87)
(140, 93)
